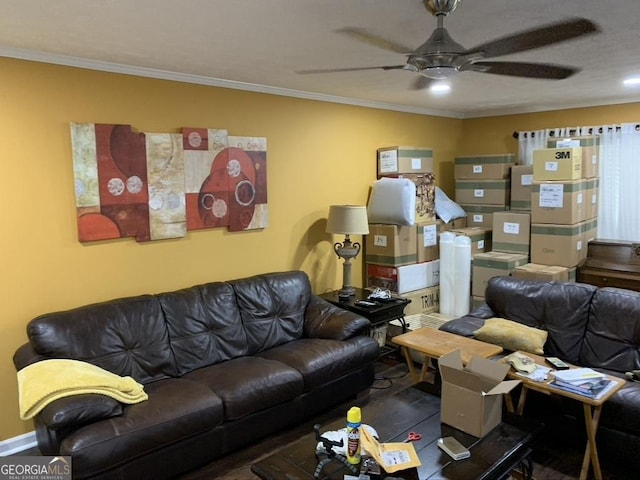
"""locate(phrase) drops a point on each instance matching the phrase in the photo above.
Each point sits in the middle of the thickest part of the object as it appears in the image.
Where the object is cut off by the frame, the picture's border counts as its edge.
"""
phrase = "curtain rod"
(572, 131)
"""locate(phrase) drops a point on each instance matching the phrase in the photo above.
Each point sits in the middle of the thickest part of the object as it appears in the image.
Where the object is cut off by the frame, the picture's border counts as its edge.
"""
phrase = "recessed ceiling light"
(440, 88)
(632, 81)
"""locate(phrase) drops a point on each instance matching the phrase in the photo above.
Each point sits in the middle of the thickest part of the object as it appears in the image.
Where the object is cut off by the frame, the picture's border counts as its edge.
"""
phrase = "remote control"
(365, 303)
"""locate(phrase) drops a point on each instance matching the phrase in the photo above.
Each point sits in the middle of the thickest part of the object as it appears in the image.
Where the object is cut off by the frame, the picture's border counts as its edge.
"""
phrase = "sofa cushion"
(613, 332)
(322, 360)
(176, 409)
(126, 336)
(204, 325)
(249, 384)
(622, 410)
(272, 307)
(512, 335)
(562, 309)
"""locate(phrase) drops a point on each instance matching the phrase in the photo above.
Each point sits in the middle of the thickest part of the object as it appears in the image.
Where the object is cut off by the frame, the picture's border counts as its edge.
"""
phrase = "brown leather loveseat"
(223, 364)
(587, 326)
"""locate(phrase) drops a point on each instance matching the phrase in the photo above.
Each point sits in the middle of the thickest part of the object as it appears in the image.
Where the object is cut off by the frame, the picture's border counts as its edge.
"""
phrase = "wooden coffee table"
(506, 447)
(436, 343)
(591, 407)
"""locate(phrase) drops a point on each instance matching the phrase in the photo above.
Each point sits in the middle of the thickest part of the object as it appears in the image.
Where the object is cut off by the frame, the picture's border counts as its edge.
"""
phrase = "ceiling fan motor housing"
(441, 7)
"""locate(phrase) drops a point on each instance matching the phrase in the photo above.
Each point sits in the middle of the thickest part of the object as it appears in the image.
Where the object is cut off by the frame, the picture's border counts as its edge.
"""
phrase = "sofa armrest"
(26, 355)
(69, 413)
(465, 326)
(325, 320)
(77, 410)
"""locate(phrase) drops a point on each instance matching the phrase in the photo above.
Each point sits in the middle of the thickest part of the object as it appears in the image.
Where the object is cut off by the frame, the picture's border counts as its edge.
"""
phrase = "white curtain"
(528, 142)
(619, 196)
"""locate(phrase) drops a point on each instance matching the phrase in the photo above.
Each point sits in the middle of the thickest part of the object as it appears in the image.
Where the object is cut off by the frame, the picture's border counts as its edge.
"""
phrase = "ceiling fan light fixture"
(440, 88)
(439, 72)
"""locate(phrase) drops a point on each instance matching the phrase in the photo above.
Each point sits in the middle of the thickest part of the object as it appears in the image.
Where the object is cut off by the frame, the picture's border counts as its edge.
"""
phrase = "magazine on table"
(577, 375)
(592, 388)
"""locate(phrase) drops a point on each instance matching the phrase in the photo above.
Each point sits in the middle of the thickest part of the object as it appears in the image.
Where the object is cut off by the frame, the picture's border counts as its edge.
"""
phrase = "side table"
(380, 313)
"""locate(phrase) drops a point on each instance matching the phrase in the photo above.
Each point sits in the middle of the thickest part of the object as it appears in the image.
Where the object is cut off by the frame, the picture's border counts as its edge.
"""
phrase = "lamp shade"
(348, 219)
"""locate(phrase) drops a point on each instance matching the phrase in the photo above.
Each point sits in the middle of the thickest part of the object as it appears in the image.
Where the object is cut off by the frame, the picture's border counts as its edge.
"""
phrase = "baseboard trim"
(14, 445)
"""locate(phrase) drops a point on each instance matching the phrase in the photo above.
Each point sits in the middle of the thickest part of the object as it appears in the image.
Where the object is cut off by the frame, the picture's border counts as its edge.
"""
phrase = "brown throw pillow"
(512, 335)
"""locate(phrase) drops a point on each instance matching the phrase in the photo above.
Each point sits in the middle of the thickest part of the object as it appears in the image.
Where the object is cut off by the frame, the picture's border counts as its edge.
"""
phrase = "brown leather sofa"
(223, 364)
(587, 326)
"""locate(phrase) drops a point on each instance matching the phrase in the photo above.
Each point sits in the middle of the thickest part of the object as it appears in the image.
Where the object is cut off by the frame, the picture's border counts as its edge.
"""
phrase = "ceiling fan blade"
(534, 38)
(352, 69)
(521, 69)
(368, 37)
(420, 83)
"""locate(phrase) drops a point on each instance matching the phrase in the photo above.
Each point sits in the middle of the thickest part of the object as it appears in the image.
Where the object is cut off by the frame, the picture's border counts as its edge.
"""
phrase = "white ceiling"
(260, 44)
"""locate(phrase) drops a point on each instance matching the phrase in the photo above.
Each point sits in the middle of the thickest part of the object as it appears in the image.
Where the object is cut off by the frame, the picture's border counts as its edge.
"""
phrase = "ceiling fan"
(441, 57)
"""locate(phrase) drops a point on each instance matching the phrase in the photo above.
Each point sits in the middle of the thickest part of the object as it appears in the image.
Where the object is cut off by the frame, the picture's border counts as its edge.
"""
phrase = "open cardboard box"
(472, 394)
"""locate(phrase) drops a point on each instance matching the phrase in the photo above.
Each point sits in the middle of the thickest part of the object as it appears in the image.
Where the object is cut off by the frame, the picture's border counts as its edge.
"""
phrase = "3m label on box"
(557, 164)
(590, 151)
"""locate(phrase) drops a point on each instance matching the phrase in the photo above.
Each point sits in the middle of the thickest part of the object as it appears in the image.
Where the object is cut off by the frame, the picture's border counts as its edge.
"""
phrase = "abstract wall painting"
(157, 186)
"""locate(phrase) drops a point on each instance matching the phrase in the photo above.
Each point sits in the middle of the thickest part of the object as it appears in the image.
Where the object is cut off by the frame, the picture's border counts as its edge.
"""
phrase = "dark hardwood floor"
(554, 458)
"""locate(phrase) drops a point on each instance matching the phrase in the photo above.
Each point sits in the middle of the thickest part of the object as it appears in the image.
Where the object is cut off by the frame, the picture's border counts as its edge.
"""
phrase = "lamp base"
(346, 292)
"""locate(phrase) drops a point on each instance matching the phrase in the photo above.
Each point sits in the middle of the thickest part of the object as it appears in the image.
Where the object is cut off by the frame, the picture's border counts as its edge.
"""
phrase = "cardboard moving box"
(472, 395)
(590, 152)
(481, 215)
(547, 273)
(511, 232)
(483, 167)
(493, 264)
(558, 244)
(562, 203)
(427, 244)
(557, 164)
(425, 300)
(395, 160)
(521, 181)
(404, 279)
(391, 245)
(480, 238)
(483, 192)
(451, 225)
(591, 198)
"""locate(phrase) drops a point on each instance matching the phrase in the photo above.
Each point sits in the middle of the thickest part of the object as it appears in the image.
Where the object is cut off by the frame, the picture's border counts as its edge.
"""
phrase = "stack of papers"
(582, 381)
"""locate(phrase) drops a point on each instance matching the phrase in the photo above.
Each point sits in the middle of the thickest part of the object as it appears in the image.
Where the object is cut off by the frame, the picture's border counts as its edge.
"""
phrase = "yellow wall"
(318, 154)
(494, 134)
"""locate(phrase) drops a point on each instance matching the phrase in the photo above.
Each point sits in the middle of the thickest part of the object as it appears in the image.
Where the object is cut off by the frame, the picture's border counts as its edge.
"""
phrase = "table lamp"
(349, 220)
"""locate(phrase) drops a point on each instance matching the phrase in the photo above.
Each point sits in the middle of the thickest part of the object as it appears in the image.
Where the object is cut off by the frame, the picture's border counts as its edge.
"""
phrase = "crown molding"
(70, 61)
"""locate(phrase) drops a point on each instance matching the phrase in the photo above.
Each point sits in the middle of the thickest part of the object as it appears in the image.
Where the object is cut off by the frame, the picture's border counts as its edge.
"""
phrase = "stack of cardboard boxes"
(483, 190)
(564, 207)
(405, 259)
(564, 202)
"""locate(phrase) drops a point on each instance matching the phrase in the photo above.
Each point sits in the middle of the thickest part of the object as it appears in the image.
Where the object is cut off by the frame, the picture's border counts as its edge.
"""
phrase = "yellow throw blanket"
(43, 382)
